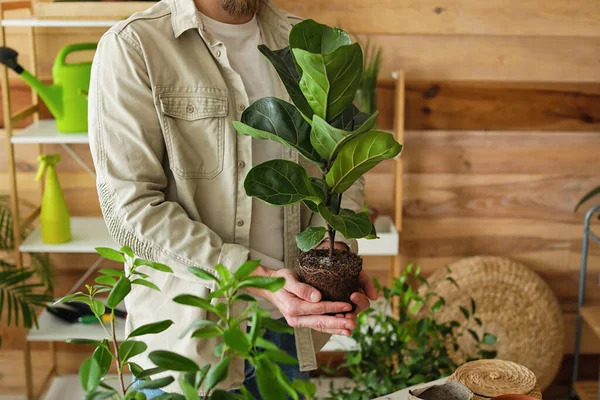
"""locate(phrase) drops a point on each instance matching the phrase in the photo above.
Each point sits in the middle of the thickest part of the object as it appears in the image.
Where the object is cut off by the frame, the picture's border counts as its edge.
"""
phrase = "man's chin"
(241, 8)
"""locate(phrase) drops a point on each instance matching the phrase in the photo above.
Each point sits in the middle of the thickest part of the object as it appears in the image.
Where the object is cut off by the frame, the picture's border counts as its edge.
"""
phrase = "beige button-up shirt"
(171, 167)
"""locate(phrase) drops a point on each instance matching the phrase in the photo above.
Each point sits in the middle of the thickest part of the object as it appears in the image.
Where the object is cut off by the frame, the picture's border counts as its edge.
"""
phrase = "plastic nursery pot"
(452, 390)
(514, 397)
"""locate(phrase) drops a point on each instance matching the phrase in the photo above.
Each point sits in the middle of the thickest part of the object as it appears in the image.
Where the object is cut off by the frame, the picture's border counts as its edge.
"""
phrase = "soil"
(336, 278)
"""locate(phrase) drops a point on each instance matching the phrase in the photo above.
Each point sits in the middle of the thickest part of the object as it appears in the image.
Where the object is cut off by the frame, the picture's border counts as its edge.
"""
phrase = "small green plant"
(21, 289)
(322, 70)
(398, 352)
(588, 196)
(250, 345)
(366, 95)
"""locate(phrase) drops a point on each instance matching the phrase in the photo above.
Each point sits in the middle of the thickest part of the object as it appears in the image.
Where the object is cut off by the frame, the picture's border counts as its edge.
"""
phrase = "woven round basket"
(513, 303)
(491, 378)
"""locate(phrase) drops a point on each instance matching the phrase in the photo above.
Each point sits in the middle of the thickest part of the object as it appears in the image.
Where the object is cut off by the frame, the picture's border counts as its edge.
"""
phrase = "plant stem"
(114, 340)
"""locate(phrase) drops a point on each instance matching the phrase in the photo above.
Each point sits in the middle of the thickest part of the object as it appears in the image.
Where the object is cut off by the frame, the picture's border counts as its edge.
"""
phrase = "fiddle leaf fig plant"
(321, 70)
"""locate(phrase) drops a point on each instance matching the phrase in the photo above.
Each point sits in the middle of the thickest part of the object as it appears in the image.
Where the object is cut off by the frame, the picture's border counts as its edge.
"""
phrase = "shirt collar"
(185, 16)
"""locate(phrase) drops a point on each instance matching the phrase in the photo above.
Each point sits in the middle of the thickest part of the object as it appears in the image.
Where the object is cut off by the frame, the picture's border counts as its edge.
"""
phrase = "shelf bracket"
(78, 159)
(87, 274)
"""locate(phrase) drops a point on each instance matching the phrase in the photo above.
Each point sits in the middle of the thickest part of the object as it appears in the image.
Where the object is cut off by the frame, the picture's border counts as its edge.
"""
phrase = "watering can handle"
(65, 51)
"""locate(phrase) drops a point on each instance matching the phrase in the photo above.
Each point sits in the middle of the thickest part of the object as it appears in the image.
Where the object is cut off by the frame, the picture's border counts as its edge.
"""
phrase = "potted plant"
(321, 70)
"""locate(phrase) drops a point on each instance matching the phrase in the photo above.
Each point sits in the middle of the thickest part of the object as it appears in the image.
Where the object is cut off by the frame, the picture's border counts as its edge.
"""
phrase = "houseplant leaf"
(317, 38)
(172, 361)
(283, 62)
(329, 81)
(90, 374)
(279, 182)
(350, 119)
(310, 237)
(320, 189)
(118, 292)
(152, 328)
(131, 348)
(588, 195)
(327, 140)
(274, 119)
(217, 373)
(358, 156)
(350, 224)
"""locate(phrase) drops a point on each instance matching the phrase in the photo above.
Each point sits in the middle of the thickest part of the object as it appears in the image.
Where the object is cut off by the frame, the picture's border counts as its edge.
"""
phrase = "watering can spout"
(51, 95)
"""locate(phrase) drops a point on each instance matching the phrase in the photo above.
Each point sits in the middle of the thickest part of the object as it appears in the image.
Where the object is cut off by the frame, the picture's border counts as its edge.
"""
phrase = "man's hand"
(302, 307)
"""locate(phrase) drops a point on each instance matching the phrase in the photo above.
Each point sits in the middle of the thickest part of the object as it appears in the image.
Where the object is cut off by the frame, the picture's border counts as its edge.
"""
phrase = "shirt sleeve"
(128, 149)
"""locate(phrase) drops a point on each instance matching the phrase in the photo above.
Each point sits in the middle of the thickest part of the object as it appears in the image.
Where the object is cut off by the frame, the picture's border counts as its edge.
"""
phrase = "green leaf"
(224, 395)
(307, 388)
(131, 348)
(154, 265)
(118, 292)
(592, 193)
(358, 156)
(172, 361)
(128, 251)
(274, 119)
(489, 339)
(478, 321)
(310, 237)
(485, 354)
(329, 81)
(473, 306)
(464, 311)
(350, 224)
(236, 339)
(320, 190)
(243, 297)
(265, 344)
(207, 332)
(223, 272)
(262, 282)
(317, 38)
(217, 373)
(110, 254)
(280, 357)
(283, 62)
(416, 379)
(373, 234)
(90, 374)
(152, 328)
(104, 358)
(136, 370)
(279, 183)
(268, 388)
(188, 390)
(203, 274)
(276, 325)
(149, 372)
(328, 140)
(196, 324)
(112, 272)
(194, 301)
(148, 284)
(155, 383)
(350, 119)
(106, 280)
(98, 307)
(246, 269)
(90, 342)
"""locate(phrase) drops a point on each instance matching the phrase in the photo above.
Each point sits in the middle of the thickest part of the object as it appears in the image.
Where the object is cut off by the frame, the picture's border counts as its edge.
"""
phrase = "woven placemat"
(515, 305)
(490, 378)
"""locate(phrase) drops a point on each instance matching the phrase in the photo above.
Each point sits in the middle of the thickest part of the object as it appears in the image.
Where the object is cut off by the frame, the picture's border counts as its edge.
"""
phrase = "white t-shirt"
(240, 42)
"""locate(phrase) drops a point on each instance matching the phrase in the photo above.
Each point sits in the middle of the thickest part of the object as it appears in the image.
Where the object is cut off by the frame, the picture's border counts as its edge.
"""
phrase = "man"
(166, 85)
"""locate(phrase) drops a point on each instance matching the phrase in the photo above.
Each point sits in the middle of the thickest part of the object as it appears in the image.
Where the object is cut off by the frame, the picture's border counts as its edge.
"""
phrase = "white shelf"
(58, 23)
(53, 329)
(68, 387)
(388, 242)
(44, 131)
(340, 343)
(87, 232)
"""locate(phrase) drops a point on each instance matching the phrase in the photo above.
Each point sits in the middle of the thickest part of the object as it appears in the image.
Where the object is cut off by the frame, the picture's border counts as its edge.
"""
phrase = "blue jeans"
(285, 341)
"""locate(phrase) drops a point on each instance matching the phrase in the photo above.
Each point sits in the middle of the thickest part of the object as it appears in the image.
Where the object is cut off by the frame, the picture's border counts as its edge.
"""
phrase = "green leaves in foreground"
(358, 156)
(279, 182)
(350, 224)
(328, 140)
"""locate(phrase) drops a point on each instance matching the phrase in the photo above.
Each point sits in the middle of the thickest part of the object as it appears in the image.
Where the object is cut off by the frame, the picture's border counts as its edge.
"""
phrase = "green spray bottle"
(54, 218)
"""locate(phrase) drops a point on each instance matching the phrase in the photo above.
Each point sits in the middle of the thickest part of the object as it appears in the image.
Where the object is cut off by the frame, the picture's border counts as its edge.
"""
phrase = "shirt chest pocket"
(194, 127)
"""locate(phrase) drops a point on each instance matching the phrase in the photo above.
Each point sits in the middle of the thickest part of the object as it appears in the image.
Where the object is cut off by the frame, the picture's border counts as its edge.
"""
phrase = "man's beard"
(241, 8)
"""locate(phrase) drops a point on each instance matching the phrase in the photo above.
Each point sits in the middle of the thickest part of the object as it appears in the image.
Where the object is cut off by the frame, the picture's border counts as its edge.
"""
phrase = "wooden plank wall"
(502, 113)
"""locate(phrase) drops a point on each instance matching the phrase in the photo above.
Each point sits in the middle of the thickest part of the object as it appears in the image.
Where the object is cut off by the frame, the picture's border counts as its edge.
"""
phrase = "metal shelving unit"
(586, 390)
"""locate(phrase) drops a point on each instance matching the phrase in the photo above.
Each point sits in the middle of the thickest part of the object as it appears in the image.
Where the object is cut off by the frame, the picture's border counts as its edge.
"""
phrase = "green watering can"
(66, 98)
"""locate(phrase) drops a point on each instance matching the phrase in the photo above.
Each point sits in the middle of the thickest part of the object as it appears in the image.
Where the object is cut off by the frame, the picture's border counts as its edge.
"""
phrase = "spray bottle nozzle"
(46, 160)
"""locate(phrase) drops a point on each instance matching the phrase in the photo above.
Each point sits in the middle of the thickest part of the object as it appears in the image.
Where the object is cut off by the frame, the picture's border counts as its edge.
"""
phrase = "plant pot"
(451, 390)
(336, 278)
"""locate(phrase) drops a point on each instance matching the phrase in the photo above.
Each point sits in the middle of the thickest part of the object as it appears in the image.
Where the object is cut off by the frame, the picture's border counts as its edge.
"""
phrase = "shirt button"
(241, 164)
(218, 53)
(190, 108)
(240, 222)
(242, 107)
